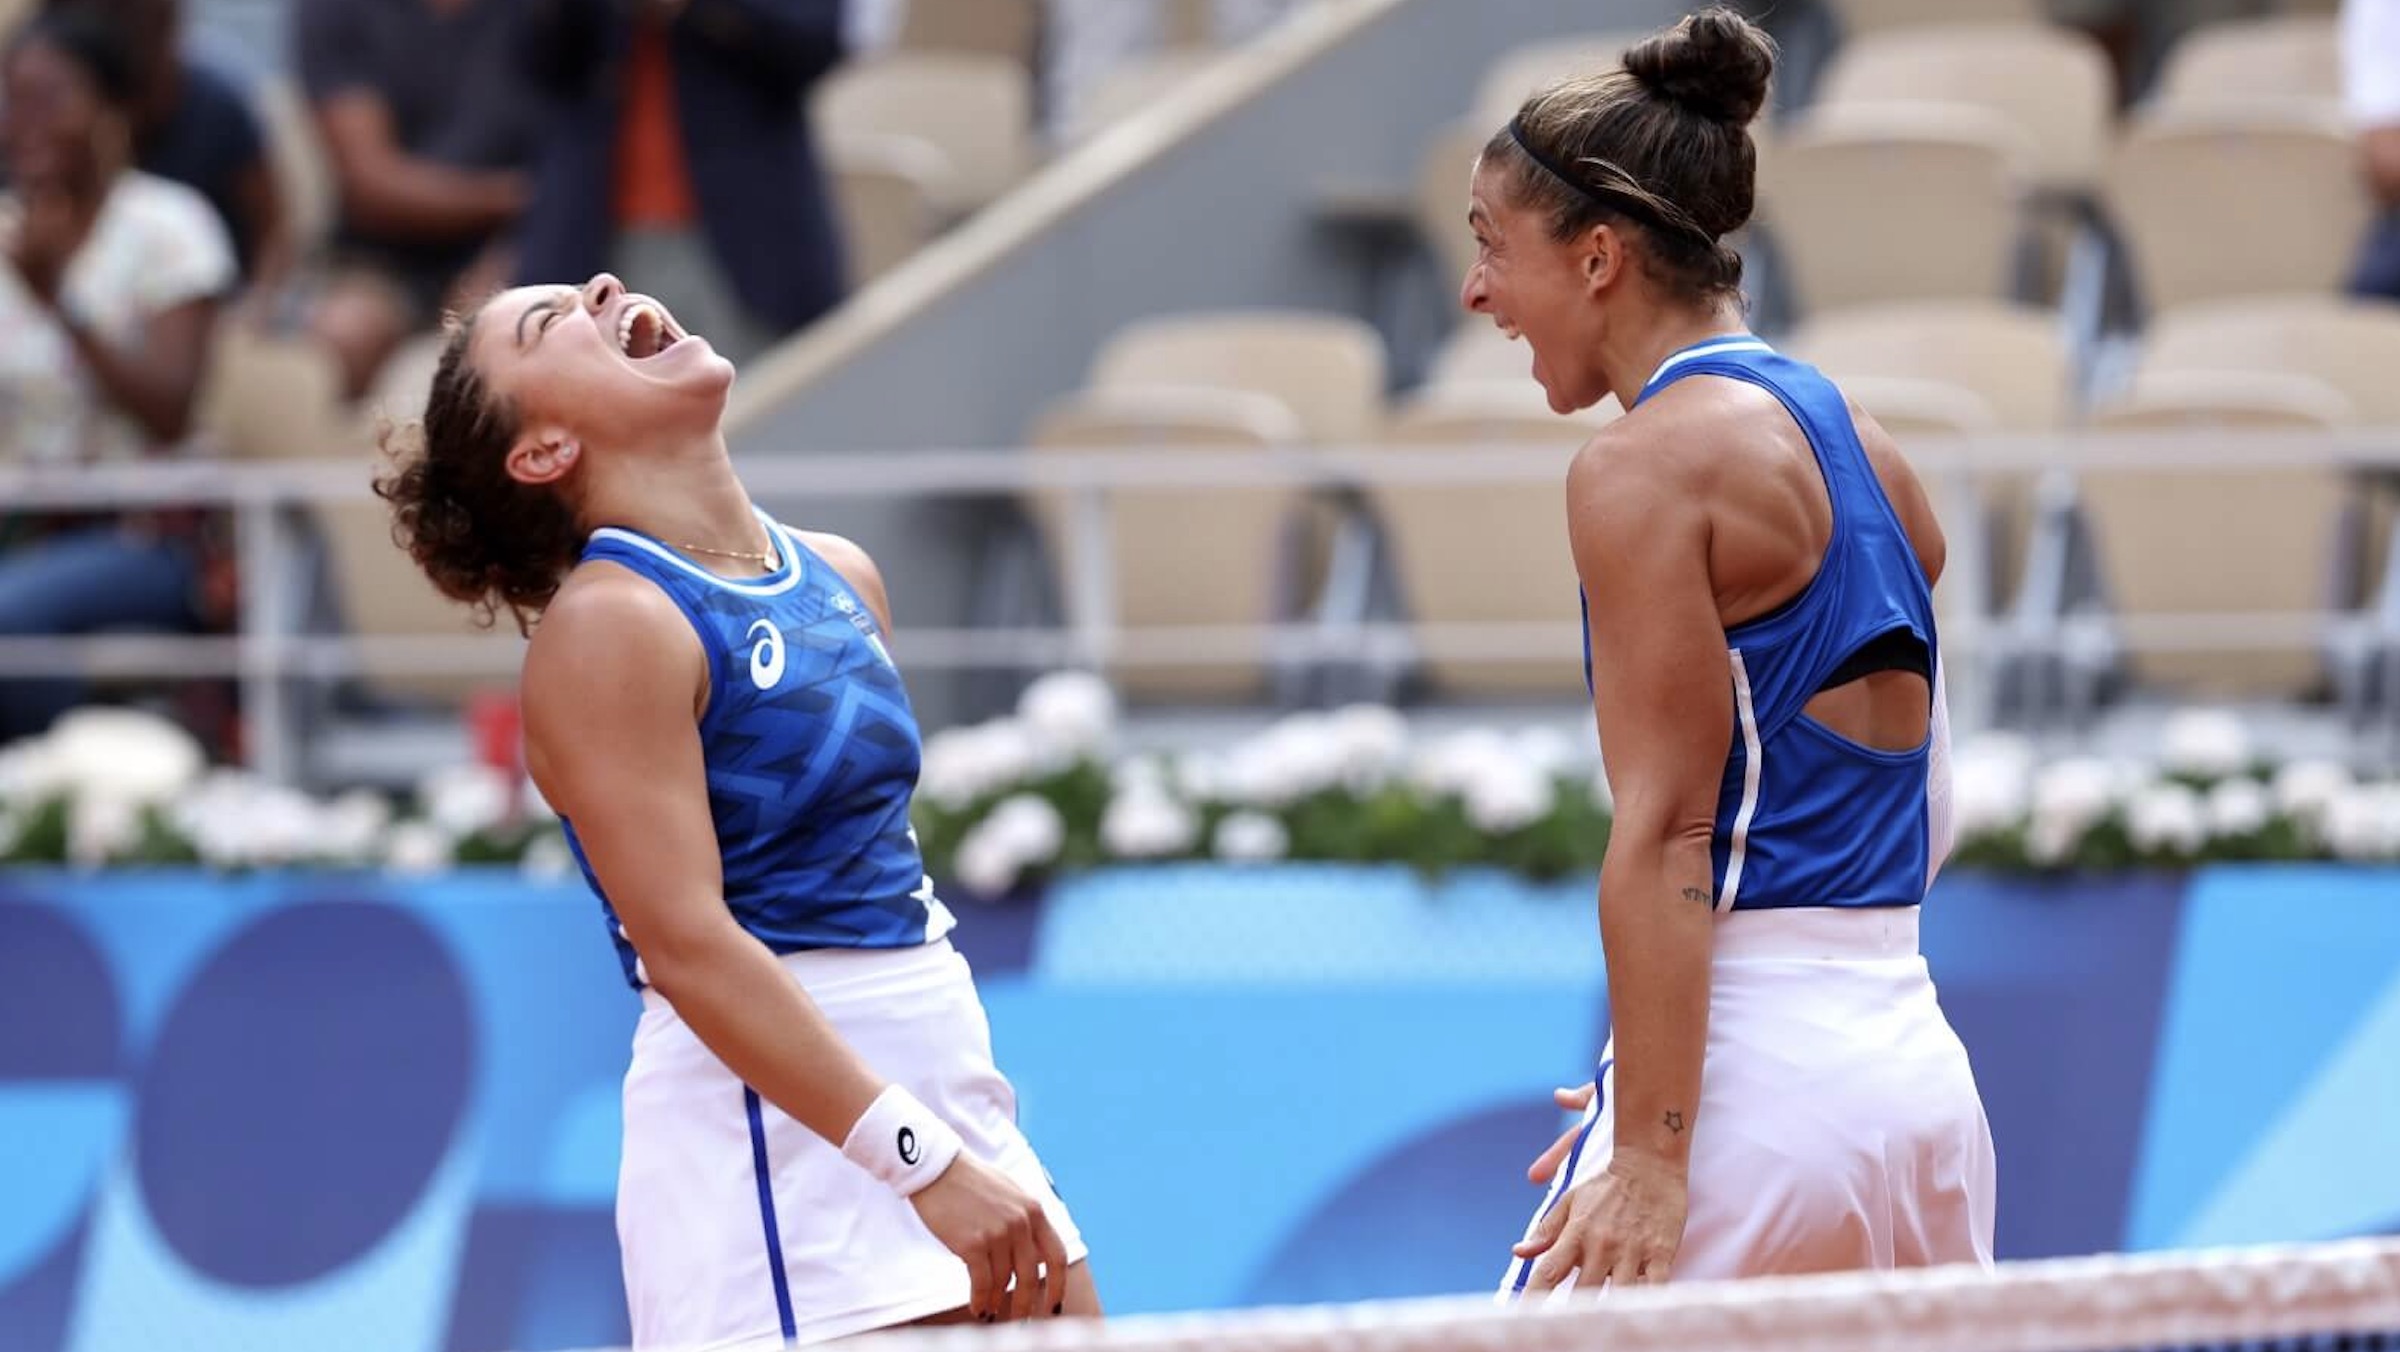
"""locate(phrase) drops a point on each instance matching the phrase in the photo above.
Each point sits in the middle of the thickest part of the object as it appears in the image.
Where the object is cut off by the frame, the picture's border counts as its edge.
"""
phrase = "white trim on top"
(773, 585)
(1752, 755)
(1711, 348)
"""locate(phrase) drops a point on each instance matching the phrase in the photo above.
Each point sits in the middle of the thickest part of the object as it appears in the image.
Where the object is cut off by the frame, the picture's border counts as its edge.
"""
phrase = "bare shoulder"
(1904, 489)
(1660, 456)
(844, 556)
(606, 615)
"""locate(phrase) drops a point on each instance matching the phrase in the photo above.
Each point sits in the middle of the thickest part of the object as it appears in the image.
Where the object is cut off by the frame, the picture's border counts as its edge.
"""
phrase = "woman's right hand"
(49, 227)
(1546, 1165)
(997, 1231)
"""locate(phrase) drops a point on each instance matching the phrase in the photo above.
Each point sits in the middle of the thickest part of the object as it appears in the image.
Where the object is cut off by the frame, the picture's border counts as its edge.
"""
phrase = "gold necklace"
(764, 560)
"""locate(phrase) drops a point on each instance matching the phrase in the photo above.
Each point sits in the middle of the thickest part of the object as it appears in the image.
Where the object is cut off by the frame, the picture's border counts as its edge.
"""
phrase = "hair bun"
(1715, 63)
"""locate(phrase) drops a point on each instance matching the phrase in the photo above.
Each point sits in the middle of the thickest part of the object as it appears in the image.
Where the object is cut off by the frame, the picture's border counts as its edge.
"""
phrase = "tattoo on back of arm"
(1700, 894)
(1674, 1121)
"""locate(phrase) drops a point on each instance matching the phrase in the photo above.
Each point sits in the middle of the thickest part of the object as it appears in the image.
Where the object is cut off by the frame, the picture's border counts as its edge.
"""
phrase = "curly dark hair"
(481, 536)
(1662, 143)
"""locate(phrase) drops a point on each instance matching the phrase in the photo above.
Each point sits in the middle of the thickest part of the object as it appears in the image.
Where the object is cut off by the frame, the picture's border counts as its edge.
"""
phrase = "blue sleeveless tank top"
(812, 753)
(1806, 816)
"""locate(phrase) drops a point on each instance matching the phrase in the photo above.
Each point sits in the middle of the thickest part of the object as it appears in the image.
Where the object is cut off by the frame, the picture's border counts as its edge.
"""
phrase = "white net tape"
(2300, 1297)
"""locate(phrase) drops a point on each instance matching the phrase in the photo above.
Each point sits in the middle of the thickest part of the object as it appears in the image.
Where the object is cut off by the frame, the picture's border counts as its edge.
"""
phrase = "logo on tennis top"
(908, 1146)
(766, 656)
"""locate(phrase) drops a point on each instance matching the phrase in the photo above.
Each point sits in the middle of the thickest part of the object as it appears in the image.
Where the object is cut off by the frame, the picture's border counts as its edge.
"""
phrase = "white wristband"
(900, 1141)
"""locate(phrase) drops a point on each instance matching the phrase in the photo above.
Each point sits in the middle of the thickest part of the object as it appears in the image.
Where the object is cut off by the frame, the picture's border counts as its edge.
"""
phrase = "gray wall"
(1221, 220)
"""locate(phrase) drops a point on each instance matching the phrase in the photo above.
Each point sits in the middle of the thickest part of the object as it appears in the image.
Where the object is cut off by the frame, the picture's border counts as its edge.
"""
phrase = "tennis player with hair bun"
(1781, 1092)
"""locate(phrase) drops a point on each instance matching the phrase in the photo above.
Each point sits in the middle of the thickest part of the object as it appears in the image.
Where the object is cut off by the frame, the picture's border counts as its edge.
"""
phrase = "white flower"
(102, 826)
(987, 865)
(1991, 785)
(352, 826)
(282, 824)
(1370, 744)
(123, 753)
(2167, 818)
(30, 771)
(465, 799)
(1028, 826)
(547, 859)
(1252, 838)
(2364, 824)
(2205, 743)
(1543, 748)
(1147, 826)
(535, 806)
(2239, 807)
(1298, 756)
(2075, 793)
(2307, 790)
(1201, 776)
(1450, 764)
(417, 847)
(964, 764)
(1509, 795)
(1071, 715)
(1138, 772)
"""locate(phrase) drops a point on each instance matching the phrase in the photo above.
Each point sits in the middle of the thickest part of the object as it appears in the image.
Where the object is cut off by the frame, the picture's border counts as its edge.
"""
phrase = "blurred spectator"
(2371, 93)
(430, 129)
(192, 124)
(683, 160)
(106, 307)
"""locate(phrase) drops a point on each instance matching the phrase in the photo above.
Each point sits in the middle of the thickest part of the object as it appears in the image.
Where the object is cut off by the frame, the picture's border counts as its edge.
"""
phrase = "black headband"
(1641, 208)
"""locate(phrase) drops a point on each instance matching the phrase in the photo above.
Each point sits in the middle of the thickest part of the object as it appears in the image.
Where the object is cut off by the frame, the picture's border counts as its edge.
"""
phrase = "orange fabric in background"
(654, 188)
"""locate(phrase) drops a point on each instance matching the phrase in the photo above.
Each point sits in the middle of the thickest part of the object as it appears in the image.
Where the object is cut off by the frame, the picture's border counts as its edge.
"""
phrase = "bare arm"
(1663, 695)
(2379, 147)
(260, 201)
(613, 654)
(157, 381)
(389, 192)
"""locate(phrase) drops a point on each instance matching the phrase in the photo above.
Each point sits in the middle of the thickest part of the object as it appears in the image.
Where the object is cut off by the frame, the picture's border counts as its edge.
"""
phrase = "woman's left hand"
(1621, 1228)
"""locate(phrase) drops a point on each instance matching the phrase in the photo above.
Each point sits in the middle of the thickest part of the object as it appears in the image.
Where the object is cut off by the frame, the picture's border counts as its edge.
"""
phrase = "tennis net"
(2339, 1297)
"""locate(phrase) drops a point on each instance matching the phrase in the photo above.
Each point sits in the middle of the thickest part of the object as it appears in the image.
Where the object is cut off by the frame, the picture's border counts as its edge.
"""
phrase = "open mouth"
(644, 331)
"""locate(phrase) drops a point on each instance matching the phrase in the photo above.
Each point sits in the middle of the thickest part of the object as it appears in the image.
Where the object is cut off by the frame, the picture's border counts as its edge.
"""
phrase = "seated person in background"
(682, 157)
(108, 298)
(429, 128)
(2371, 95)
(193, 125)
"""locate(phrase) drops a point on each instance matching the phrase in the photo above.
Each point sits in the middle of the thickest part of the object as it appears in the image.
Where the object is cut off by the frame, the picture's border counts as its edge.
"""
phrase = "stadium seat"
(1477, 353)
(2054, 84)
(1895, 201)
(1860, 17)
(1444, 174)
(886, 188)
(302, 174)
(2173, 544)
(1178, 556)
(1519, 73)
(1327, 369)
(2292, 58)
(2013, 358)
(977, 111)
(1139, 83)
(2237, 201)
(2352, 345)
(1491, 552)
(1005, 28)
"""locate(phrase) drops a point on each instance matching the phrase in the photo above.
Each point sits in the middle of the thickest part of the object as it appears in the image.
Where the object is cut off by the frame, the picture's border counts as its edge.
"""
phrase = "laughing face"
(598, 364)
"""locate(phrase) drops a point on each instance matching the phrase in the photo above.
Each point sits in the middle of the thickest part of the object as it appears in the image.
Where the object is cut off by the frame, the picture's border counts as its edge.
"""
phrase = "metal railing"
(269, 647)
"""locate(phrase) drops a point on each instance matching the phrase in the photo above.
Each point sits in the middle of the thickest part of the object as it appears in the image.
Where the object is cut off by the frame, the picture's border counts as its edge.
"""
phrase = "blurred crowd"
(477, 143)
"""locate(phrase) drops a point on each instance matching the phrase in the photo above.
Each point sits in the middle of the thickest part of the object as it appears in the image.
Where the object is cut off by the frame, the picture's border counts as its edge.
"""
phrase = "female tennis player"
(816, 1140)
(1780, 1091)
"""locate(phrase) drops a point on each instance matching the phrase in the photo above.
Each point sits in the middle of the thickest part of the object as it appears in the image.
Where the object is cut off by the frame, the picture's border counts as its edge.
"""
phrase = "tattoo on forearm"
(1675, 1122)
(1697, 894)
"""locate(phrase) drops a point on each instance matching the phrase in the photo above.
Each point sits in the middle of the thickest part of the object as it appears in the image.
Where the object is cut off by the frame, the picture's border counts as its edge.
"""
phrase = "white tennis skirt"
(1839, 1125)
(741, 1228)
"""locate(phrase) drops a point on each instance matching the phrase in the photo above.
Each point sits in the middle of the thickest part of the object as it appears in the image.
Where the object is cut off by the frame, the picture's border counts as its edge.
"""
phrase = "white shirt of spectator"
(2371, 62)
(154, 246)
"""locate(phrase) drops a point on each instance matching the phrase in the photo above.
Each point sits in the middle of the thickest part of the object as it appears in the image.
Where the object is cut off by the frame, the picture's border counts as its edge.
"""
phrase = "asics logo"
(766, 655)
(908, 1147)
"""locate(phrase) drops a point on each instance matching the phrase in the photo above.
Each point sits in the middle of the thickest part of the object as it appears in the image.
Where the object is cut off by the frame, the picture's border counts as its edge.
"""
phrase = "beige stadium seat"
(2220, 541)
(298, 161)
(1445, 177)
(1522, 72)
(2013, 358)
(2351, 345)
(1860, 17)
(977, 111)
(1136, 84)
(1008, 28)
(2294, 57)
(1327, 369)
(886, 189)
(1894, 201)
(1478, 353)
(1492, 552)
(280, 399)
(2223, 202)
(2053, 83)
(1176, 556)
